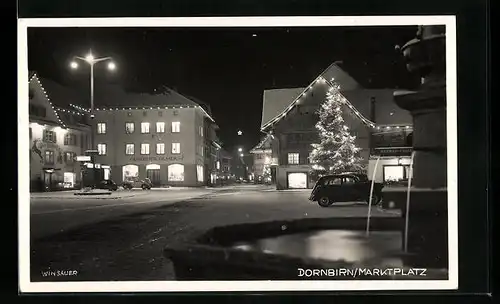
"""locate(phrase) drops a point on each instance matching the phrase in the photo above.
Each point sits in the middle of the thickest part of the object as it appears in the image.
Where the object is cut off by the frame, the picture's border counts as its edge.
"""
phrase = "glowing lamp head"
(111, 66)
(73, 65)
(241, 155)
(89, 58)
(240, 149)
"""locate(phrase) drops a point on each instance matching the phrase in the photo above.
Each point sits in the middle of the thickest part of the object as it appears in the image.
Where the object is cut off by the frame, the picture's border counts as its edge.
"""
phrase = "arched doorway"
(153, 173)
(130, 172)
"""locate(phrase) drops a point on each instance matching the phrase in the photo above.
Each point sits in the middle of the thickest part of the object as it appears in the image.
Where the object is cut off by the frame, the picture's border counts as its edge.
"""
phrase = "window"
(334, 181)
(176, 126)
(130, 149)
(70, 140)
(144, 149)
(201, 131)
(199, 173)
(176, 148)
(293, 158)
(176, 173)
(144, 113)
(160, 127)
(176, 112)
(129, 127)
(201, 148)
(101, 128)
(49, 136)
(101, 148)
(349, 180)
(395, 173)
(69, 157)
(144, 127)
(217, 165)
(160, 113)
(160, 148)
(82, 142)
(49, 157)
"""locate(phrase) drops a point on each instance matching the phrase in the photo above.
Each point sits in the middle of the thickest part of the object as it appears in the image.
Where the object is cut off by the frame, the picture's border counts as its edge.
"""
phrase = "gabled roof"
(264, 144)
(334, 75)
(275, 101)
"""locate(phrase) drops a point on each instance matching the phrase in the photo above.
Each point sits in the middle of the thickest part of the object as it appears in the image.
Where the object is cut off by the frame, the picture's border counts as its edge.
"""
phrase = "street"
(122, 239)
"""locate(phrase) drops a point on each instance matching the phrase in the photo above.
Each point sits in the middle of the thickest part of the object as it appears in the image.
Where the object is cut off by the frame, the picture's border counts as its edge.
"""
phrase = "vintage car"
(345, 187)
(131, 183)
(107, 185)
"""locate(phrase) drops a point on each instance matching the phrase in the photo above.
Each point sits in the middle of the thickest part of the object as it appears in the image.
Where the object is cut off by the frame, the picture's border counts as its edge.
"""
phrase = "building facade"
(171, 141)
(290, 116)
(262, 159)
(57, 135)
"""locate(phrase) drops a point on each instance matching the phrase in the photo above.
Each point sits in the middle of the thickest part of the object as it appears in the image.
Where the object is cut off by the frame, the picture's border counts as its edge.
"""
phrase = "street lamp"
(240, 149)
(91, 61)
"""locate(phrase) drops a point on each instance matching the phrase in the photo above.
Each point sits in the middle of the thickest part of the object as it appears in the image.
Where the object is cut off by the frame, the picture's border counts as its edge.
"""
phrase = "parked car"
(345, 187)
(107, 185)
(144, 184)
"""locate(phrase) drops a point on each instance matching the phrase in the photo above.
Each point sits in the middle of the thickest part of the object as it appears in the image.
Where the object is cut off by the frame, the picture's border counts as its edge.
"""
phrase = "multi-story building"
(166, 137)
(58, 133)
(262, 154)
(290, 116)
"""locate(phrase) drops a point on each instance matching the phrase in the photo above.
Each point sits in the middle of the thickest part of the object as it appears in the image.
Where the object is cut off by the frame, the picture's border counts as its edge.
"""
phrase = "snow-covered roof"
(281, 101)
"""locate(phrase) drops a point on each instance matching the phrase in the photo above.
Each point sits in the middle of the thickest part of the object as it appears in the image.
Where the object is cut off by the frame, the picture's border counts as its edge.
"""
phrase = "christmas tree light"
(336, 150)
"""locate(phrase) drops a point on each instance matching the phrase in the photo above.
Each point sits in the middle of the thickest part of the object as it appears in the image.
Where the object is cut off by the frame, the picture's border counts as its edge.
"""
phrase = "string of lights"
(48, 99)
(333, 85)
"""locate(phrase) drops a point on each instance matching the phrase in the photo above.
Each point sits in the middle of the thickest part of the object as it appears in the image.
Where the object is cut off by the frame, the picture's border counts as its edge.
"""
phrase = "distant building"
(290, 116)
(58, 133)
(165, 137)
(262, 154)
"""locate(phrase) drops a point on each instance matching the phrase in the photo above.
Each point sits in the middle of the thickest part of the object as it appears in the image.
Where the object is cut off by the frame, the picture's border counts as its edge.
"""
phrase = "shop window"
(394, 173)
(176, 173)
(130, 172)
(199, 173)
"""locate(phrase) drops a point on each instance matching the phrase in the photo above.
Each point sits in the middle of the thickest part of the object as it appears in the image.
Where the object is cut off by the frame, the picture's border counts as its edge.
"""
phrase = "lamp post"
(92, 61)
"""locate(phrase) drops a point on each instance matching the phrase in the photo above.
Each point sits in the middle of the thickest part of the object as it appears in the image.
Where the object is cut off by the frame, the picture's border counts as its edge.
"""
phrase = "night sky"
(227, 68)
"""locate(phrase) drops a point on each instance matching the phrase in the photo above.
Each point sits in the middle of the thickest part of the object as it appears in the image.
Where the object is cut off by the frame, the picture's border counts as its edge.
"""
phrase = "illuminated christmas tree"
(266, 176)
(336, 152)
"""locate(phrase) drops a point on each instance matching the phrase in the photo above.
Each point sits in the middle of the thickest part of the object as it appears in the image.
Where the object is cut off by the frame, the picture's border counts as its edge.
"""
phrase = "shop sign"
(401, 151)
(175, 158)
(83, 158)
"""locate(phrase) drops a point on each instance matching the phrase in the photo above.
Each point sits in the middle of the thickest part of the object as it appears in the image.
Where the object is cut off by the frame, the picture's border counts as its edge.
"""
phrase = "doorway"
(153, 173)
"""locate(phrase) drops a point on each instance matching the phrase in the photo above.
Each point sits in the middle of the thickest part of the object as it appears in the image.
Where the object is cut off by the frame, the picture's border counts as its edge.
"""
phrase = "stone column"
(427, 220)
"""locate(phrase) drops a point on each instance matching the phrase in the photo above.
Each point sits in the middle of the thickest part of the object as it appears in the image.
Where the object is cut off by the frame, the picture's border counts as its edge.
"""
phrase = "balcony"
(392, 143)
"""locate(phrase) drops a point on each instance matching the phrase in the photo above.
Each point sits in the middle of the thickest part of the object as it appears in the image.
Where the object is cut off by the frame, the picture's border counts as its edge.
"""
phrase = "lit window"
(201, 150)
(201, 131)
(130, 149)
(176, 148)
(49, 157)
(176, 126)
(218, 165)
(101, 148)
(69, 157)
(199, 173)
(160, 148)
(176, 173)
(101, 128)
(293, 158)
(144, 127)
(144, 149)
(129, 127)
(394, 173)
(160, 127)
